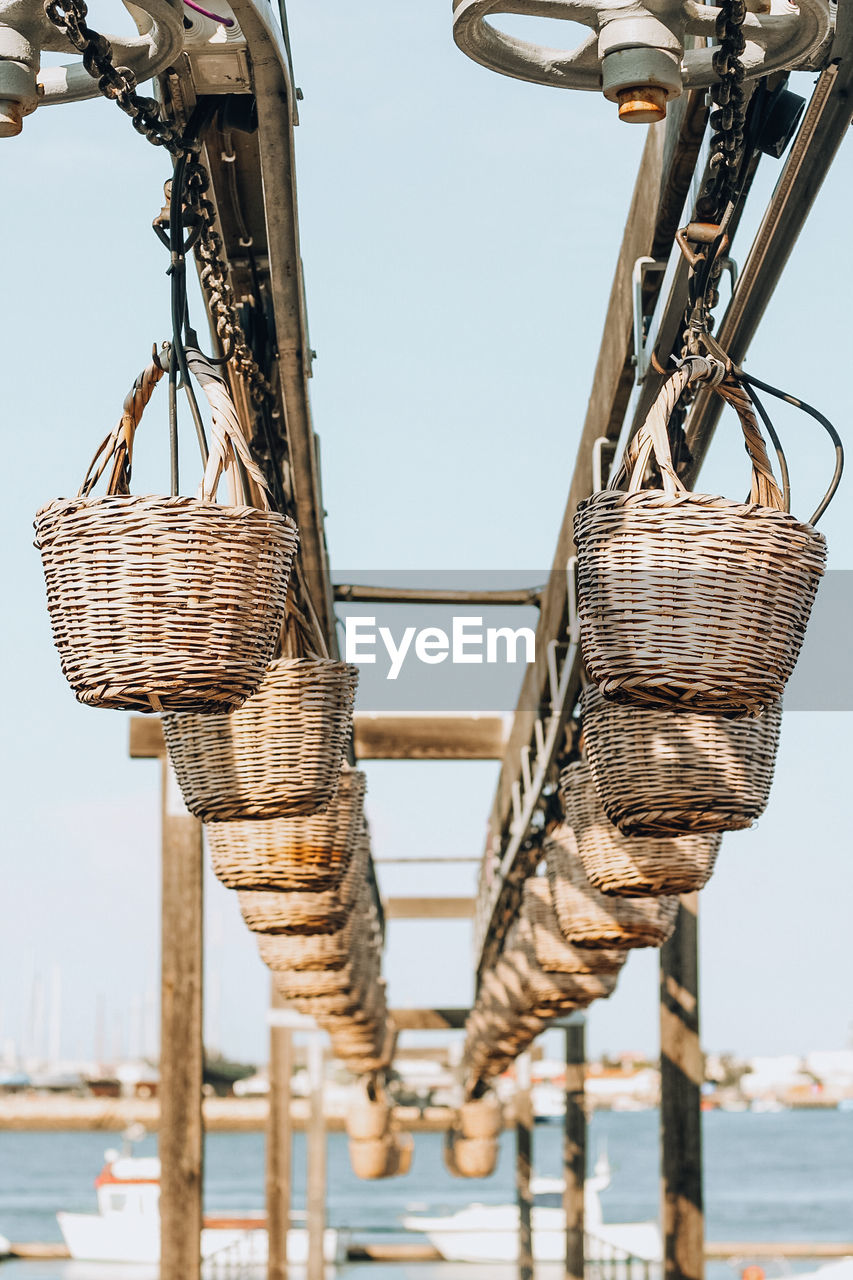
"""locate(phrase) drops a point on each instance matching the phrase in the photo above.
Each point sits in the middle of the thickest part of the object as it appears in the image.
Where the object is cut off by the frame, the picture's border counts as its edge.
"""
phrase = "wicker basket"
(545, 992)
(553, 953)
(289, 911)
(368, 1117)
(470, 1157)
(165, 604)
(481, 1117)
(633, 866)
(279, 755)
(372, 1159)
(291, 853)
(689, 599)
(590, 918)
(667, 772)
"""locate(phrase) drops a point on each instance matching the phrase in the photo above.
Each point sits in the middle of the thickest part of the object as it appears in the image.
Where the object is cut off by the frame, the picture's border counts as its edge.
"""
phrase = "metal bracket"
(638, 276)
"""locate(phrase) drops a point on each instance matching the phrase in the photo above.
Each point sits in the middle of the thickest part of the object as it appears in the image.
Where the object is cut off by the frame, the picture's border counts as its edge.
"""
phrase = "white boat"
(126, 1227)
(489, 1233)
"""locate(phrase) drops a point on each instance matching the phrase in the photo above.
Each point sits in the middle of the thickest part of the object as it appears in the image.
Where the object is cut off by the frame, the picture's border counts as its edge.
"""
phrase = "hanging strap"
(652, 440)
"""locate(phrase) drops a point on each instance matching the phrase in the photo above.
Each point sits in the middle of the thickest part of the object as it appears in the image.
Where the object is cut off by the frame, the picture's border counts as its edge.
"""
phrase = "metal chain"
(119, 85)
(720, 190)
(727, 121)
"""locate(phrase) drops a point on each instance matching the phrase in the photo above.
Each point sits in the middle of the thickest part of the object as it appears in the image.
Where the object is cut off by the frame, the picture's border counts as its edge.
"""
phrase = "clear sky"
(459, 233)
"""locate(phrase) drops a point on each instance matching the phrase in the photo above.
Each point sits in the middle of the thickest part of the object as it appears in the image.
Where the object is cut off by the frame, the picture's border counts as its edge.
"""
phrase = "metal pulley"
(26, 32)
(636, 52)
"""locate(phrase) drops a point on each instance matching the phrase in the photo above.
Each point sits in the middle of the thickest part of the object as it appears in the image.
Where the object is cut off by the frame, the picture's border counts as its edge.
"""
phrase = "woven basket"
(291, 853)
(665, 772)
(470, 1157)
(372, 1159)
(480, 1117)
(545, 991)
(368, 1119)
(590, 918)
(636, 866)
(689, 599)
(553, 953)
(291, 911)
(165, 604)
(279, 755)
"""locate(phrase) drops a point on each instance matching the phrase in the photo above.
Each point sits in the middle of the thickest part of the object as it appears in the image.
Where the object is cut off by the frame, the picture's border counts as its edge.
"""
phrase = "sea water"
(784, 1176)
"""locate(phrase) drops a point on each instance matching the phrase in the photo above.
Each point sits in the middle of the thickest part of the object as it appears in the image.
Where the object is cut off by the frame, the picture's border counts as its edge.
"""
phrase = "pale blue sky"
(459, 234)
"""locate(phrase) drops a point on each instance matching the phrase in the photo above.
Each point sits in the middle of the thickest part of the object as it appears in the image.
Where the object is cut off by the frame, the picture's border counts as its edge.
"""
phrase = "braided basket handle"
(228, 447)
(229, 451)
(653, 438)
(117, 448)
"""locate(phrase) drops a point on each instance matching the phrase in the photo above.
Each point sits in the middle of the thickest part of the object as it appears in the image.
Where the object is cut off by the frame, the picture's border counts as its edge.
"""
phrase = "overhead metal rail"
(551, 686)
(352, 594)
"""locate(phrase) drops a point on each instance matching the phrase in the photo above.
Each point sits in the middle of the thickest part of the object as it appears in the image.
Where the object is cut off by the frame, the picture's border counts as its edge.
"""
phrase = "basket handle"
(228, 448)
(229, 453)
(653, 438)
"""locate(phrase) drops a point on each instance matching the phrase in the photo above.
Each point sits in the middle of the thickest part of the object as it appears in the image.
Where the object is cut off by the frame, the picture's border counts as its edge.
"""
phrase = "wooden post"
(523, 1166)
(180, 1140)
(279, 1144)
(316, 1189)
(574, 1149)
(682, 1072)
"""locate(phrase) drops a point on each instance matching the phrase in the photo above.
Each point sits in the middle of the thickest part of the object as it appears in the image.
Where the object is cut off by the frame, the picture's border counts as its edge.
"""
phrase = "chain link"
(720, 189)
(119, 85)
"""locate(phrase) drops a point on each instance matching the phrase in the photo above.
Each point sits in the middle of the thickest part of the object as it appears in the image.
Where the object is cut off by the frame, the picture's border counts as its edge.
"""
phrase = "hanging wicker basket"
(546, 992)
(279, 755)
(552, 952)
(373, 1158)
(368, 1116)
(470, 1157)
(309, 853)
(480, 1117)
(590, 918)
(689, 599)
(666, 771)
(291, 911)
(636, 866)
(166, 604)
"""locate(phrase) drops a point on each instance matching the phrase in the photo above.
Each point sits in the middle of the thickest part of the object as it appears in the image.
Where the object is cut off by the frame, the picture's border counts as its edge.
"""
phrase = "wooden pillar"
(574, 1149)
(681, 1084)
(279, 1144)
(180, 1139)
(316, 1189)
(523, 1166)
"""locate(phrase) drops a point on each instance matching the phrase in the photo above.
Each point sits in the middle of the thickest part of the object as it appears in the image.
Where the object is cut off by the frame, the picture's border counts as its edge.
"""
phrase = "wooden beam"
(574, 1149)
(681, 1075)
(429, 908)
(428, 736)
(429, 1019)
(146, 738)
(381, 736)
(524, 1166)
(315, 1195)
(180, 1140)
(279, 1145)
(352, 594)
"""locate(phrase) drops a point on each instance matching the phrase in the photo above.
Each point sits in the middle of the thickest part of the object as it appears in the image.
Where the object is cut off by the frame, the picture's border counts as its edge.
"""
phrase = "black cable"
(819, 417)
(178, 271)
(777, 445)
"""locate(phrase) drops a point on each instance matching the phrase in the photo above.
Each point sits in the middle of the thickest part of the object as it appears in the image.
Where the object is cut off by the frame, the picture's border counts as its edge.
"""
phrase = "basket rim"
(658, 499)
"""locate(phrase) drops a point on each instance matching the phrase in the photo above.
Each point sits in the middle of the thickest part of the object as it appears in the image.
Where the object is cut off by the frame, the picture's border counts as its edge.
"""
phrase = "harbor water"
(785, 1176)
